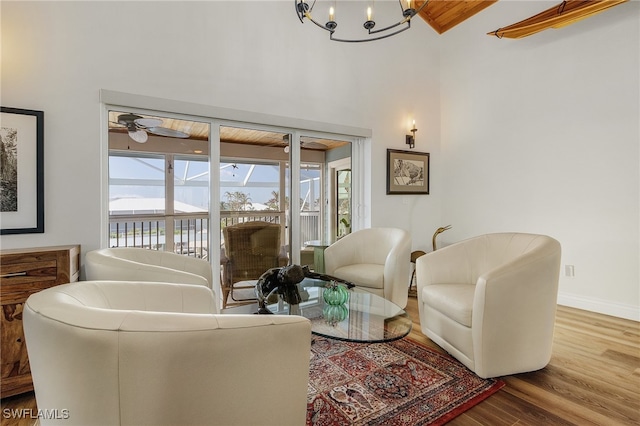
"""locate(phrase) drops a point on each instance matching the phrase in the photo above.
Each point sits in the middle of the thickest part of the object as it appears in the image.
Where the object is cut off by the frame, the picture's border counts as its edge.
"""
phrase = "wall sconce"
(411, 139)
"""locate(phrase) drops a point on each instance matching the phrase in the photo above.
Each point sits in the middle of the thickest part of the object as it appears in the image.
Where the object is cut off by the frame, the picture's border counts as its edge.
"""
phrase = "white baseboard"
(601, 306)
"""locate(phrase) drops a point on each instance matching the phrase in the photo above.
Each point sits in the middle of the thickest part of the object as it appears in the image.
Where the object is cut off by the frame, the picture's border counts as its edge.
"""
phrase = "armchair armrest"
(396, 273)
(524, 290)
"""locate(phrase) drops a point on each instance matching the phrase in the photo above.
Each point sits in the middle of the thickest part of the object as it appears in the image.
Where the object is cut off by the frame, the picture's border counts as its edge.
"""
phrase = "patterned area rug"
(396, 383)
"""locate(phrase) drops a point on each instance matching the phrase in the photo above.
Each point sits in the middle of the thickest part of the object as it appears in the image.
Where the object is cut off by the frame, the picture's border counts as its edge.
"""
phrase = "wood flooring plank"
(490, 412)
(578, 365)
(597, 342)
(465, 420)
(525, 412)
(556, 402)
(603, 398)
(615, 331)
(621, 357)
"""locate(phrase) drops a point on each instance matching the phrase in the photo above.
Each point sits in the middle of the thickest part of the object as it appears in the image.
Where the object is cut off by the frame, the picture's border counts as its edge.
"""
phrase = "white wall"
(250, 56)
(537, 135)
(542, 135)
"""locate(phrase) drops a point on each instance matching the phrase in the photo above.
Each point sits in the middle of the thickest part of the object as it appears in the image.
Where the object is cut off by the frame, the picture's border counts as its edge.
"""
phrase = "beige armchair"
(490, 301)
(134, 353)
(375, 259)
(138, 264)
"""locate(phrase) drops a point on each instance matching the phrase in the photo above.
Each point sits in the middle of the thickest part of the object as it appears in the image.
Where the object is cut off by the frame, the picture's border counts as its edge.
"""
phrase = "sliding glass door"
(162, 195)
(275, 179)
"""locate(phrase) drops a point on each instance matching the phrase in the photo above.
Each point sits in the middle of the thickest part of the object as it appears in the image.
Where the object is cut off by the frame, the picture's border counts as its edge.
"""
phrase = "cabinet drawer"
(20, 280)
(28, 272)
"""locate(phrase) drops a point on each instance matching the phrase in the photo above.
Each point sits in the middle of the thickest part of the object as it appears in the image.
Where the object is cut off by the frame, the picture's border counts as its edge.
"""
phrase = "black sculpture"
(284, 281)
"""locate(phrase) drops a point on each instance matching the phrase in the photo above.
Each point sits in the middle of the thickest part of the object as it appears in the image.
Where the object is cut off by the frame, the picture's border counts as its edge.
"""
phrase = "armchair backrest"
(371, 245)
(138, 264)
(476, 256)
(251, 248)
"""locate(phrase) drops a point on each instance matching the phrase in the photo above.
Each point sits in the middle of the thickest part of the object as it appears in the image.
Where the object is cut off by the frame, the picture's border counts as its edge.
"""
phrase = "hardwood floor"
(593, 378)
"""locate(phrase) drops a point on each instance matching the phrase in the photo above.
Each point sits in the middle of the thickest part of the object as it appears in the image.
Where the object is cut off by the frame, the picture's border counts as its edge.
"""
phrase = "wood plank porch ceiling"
(200, 131)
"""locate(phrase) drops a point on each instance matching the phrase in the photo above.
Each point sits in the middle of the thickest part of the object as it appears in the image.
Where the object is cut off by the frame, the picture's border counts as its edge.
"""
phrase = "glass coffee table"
(364, 317)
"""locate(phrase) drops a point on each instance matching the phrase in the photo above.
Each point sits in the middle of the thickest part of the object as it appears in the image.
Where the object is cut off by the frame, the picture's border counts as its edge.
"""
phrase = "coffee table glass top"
(364, 317)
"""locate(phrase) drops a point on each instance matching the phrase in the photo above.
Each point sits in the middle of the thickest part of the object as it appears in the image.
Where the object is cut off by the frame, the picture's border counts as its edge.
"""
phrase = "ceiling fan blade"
(163, 131)
(148, 122)
(139, 136)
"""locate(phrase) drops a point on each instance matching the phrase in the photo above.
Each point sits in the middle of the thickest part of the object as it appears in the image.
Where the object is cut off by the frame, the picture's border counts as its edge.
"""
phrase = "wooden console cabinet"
(22, 273)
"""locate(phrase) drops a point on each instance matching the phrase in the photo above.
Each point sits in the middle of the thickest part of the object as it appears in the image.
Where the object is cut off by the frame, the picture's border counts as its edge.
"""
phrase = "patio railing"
(190, 230)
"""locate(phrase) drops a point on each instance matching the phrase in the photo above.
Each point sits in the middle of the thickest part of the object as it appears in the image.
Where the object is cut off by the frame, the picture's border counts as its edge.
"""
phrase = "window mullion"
(169, 221)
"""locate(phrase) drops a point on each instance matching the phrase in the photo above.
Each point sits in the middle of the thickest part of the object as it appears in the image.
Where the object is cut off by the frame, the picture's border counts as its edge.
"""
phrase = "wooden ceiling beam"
(442, 15)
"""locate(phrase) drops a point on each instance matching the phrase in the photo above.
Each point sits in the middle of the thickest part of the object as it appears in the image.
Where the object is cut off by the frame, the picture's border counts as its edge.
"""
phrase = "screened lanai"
(160, 194)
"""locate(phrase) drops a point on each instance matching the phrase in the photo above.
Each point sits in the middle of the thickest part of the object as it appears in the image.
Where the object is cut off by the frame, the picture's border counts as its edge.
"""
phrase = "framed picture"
(407, 172)
(21, 171)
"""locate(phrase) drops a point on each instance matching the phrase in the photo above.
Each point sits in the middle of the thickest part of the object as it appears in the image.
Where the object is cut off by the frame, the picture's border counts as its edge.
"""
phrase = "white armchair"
(133, 353)
(138, 264)
(375, 259)
(490, 301)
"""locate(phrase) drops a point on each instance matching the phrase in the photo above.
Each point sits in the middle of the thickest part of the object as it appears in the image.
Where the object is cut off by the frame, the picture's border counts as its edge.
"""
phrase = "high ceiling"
(441, 15)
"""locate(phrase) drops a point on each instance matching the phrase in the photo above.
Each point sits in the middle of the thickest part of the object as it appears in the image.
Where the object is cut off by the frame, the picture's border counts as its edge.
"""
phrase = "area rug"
(396, 383)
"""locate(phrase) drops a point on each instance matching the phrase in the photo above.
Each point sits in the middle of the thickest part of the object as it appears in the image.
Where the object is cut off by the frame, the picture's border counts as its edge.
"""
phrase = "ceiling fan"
(139, 127)
(305, 143)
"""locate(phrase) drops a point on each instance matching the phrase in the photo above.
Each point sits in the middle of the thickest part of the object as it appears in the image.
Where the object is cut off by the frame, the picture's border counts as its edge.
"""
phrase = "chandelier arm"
(404, 21)
(369, 39)
(310, 18)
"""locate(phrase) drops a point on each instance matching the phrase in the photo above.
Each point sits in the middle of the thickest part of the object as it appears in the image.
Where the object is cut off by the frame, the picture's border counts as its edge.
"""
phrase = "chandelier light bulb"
(331, 14)
(369, 14)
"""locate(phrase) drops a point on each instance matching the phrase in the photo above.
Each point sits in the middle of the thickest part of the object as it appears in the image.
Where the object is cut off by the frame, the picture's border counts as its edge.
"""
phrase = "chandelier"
(406, 12)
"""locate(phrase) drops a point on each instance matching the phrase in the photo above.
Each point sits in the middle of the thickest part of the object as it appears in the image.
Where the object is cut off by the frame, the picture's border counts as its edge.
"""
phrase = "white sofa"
(135, 353)
(375, 259)
(490, 301)
(138, 264)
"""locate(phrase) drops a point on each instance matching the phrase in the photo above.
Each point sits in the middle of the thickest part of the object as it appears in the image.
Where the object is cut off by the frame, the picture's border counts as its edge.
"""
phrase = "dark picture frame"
(407, 172)
(21, 171)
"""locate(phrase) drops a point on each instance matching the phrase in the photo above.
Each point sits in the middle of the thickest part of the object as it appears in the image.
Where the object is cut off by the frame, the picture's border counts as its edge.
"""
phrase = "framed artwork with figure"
(407, 172)
(21, 171)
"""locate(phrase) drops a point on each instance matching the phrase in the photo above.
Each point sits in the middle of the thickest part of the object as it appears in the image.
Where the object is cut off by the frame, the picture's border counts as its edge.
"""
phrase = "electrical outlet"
(569, 271)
